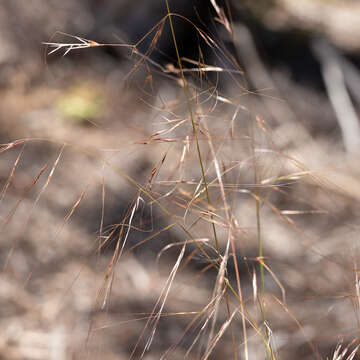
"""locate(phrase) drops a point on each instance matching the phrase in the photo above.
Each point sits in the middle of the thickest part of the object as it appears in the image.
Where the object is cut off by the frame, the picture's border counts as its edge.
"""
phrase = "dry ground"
(84, 156)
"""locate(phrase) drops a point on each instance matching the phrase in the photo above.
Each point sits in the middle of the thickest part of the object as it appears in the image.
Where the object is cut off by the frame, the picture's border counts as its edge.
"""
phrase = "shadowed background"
(283, 61)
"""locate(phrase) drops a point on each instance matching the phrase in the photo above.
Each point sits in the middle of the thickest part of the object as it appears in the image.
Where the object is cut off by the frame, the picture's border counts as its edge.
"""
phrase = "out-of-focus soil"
(85, 146)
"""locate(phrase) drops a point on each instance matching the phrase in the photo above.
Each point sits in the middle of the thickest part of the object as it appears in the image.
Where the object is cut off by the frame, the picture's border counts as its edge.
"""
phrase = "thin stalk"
(188, 103)
(187, 96)
(259, 237)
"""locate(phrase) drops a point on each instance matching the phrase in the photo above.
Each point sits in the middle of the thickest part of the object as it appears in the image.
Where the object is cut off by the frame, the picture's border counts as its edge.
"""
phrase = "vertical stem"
(187, 96)
(259, 240)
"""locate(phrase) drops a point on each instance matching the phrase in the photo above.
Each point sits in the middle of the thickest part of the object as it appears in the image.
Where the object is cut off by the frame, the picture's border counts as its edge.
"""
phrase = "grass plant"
(216, 177)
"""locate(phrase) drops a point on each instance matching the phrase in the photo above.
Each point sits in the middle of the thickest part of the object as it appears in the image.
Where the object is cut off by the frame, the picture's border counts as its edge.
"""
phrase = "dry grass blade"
(167, 247)
(204, 326)
(218, 290)
(71, 212)
(12, 174)
(222, 17)
(218, 336)
(192, 323)
(81, 44)
(309, 342)
(343, 354)
(156, 314)
(283, 292)
(223, 265)
(67, 47)
(31, 211)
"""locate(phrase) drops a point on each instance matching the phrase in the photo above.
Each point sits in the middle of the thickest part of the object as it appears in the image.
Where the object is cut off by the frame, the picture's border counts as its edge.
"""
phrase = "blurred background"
(86, 252)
